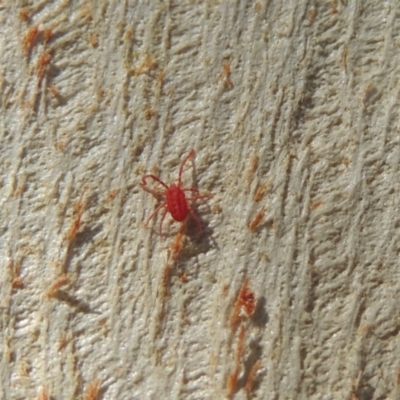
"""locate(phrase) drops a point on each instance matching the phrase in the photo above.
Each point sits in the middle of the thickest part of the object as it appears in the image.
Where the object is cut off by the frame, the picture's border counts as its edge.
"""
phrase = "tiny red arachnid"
(176, 201)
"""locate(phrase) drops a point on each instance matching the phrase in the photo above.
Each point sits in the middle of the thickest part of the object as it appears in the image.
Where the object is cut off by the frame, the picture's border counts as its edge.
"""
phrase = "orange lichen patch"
(175, 250)
(79, 209)
(251, 378)
(226, 75)
(311, 15)
(93, 391)
(256, 221)
(63, 342)
(253, 167)
(47, 35)
(245, 301)
(52, 290)
(128, 34)
(233, 377)
(260, 192)
(44, 61)
(30, 38)
(24, 15)
(43, 394)
(113, 194)
(315, 204)
(257, 7)
(93, 40)
(146, 66)
(17, 282)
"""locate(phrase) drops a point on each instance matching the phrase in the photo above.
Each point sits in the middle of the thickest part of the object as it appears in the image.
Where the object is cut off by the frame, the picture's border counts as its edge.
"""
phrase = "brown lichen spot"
(54, 91)
(311, 15)
(183, 277)
(128, 35)
(60, 146)
(21, 186)
(253, 167)
(226, 75)
(260, 192)
(257, 7)
(146, 66)
(24, 15)
(166, 279)
(78, 210)
(93, 40)
(317, 203)
(16, 282)
(225, 289)
(113, 194)
(30, 38)
(149, 112)
(216, 209)
(345, 161)
(256, 221)
(64, 340)
(93, 391)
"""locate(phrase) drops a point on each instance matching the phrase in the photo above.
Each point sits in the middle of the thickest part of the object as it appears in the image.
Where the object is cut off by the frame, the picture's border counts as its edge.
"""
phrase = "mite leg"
(143, 184)
(162, 220)
(155, 212)
(190, 155)
(205, 196)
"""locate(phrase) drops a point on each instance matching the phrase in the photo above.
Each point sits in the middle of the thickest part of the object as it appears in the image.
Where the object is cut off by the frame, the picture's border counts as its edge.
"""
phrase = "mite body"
(176, 202)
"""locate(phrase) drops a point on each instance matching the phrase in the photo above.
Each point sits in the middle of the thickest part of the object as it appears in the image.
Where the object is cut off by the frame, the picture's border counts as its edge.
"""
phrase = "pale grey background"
(132, 87)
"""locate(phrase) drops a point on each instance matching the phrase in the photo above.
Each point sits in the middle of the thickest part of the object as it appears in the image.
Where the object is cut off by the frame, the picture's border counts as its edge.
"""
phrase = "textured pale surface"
(313, 94)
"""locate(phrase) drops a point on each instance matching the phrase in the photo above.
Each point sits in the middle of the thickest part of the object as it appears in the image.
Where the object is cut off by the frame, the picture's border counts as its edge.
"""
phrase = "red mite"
(176, 200)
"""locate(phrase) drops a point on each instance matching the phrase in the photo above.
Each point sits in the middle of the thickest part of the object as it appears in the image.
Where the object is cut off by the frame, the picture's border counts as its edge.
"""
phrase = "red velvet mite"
(176, 200)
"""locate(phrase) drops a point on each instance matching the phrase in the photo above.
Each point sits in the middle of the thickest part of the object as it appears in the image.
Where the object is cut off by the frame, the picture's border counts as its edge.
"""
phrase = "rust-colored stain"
(254, 224)
(245, 301)
(30, 38)
(93, 391)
